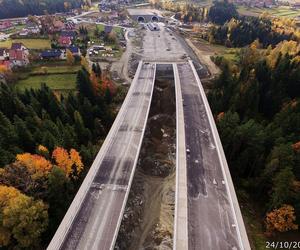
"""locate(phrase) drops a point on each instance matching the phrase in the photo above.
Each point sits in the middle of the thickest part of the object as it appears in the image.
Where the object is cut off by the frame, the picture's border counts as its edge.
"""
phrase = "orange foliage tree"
(71, 163)
(107, 83)
(95, 83)
(296, 146)
(281, 219)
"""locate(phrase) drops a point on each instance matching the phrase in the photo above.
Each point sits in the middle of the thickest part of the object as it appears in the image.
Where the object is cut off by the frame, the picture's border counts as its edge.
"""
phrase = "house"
(4, 54)
(6, 25)
(58, 25)
(108, 29)
(75, 50)
(51, 54)
(23, 32)
(18, 54)
(69, 25)
(69, 33)
(64, 41)
(3, 36)
(32, 28)
(296, 5)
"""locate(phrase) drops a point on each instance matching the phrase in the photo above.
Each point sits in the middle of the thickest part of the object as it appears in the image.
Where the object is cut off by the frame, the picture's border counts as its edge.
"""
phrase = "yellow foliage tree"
(70, 57)
(286, 47)
(21, 218)
(84, 63)
(281, 219)
(36, 165)
(3, 69)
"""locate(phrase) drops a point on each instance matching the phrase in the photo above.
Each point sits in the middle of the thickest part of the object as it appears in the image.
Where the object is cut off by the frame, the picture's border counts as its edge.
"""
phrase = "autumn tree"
(3, 69)
(97, 69)
(70, 163)
(36, 165)
(95, 83)
(22, 219)
(70, 57)
(281, 219)
(84, 63)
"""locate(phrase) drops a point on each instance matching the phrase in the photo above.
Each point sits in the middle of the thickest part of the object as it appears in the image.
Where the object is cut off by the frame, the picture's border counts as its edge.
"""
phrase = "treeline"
(233, 30)
(191, 13)
(46, 140)
(222, 11)
(35, 117)
(243, 31)
(257, 110)
(16, 8)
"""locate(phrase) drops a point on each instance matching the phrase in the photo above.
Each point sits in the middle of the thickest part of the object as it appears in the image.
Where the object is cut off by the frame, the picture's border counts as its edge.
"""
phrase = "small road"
(96, 222)
(212, 222)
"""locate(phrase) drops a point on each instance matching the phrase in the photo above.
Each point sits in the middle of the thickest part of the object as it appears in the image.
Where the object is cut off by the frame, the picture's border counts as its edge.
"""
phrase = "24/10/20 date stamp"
(283, 244)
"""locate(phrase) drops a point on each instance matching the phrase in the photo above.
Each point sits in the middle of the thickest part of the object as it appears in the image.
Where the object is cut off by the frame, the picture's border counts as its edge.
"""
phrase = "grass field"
(117, 30)
(59, 77)
(57, 69)
(29, 43)
(54, 81)
(281, 11)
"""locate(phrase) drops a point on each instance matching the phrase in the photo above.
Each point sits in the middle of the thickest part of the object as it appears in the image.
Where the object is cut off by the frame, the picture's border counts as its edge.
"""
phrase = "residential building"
(58, 25)
(108, 29)
(64, 41)
(51, 54)
(18, 55)
(6, 25)
(69, 33)
(3, 36)
(75, 50)
(69, 25)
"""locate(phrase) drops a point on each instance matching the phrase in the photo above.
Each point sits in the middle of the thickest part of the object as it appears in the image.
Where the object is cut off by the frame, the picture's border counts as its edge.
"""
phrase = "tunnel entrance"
(154, 19)
(141, 19)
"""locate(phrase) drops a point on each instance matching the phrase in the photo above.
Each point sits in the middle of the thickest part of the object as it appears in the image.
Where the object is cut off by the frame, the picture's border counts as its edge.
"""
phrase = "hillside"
(19, 8)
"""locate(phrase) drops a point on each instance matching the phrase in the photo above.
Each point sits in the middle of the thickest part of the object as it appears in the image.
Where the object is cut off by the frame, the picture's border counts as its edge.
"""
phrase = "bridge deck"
(213, 215)
(93, 222)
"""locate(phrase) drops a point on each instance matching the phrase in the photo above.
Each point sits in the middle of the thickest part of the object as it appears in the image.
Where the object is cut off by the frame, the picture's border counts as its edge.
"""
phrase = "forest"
(257, 109)
(16, 8)
(233, 30)
(48, 141)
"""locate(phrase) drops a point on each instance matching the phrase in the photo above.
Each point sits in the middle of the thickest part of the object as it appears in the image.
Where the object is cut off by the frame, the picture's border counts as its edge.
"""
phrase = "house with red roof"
(58, 25)
(6, 25)
(18, 55)
(64, 41)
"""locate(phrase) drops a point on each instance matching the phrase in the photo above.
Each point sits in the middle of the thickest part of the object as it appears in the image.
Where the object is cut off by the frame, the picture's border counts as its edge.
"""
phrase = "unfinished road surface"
(96, 222)
(212, 221)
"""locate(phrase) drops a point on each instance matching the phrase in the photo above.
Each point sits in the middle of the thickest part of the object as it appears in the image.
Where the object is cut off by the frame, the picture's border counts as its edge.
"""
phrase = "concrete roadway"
(97, 222)
(211, 219)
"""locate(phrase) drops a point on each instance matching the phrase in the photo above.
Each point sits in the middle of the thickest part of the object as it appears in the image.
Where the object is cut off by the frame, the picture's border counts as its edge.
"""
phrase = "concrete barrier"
(180, 238)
